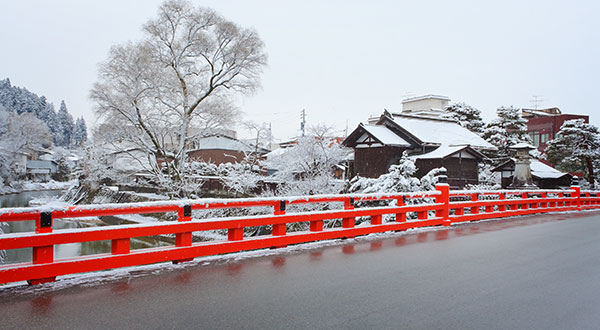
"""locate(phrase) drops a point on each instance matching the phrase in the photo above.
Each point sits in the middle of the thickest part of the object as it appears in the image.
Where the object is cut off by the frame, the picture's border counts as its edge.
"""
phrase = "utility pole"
(303, 122)
(346, 131)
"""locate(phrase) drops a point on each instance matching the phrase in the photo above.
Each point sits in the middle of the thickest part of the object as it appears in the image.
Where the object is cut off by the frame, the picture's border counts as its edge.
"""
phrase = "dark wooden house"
(432, 141)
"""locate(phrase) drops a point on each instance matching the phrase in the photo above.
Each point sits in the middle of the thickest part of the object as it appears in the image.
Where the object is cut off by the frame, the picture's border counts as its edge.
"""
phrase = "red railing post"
(181, 239)
(577, 190)
(561, 201)
(279, 229)
(120, 246)
(587, 201)
(400, 217)
(443, 198)
(376, 219)
(348, 205)
(544, 204)
(235, 234)
(43, 254)
(474, 198)
(525, 205)
(536, 204)
(489, 208)
(501, 207)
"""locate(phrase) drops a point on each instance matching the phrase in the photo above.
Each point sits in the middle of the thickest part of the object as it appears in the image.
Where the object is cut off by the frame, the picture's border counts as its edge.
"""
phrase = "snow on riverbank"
(21, 186)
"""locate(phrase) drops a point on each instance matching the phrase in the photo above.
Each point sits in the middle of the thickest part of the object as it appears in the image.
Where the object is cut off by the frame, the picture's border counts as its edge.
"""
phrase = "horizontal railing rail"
(405, 210)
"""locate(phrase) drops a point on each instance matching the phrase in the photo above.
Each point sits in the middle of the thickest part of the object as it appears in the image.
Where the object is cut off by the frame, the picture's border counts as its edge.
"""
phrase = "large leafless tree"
(177, 82)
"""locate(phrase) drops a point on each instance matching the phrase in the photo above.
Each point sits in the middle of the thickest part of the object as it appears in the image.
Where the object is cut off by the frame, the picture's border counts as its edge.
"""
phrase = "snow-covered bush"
(399, 179)
(488, 180)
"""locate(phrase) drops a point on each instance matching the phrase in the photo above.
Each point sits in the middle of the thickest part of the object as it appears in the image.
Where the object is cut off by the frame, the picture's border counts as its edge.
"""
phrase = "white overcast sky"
(339, 60)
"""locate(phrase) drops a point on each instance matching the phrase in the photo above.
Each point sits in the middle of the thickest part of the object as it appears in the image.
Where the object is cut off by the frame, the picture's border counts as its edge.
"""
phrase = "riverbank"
(24, 186)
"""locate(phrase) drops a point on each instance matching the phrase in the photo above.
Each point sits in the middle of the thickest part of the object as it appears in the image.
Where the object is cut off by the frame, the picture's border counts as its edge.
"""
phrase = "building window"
(544, 138)
(535, 137)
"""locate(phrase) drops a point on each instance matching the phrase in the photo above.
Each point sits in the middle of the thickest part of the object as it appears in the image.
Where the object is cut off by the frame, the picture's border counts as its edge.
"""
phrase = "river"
(61, 250)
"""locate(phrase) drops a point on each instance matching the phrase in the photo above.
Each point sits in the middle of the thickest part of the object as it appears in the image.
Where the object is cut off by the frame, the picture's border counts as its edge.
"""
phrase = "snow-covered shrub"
(399, 179)
(239, 178)
(488, 180)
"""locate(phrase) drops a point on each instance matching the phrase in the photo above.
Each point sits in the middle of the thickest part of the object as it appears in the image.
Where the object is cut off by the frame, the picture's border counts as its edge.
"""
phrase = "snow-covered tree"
(65, 126)
(79, 132)
(576, 148)
(20, 100)
(177, 82)
(467, 116)
(506, 130)
(18, 132)
(307, 168)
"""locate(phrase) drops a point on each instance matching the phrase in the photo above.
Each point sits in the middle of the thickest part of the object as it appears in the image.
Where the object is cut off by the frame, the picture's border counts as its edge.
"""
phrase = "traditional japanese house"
(431, 140)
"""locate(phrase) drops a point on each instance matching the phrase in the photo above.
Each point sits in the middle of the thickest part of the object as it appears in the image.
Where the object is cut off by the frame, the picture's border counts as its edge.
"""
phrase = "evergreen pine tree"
(576, 148)
(467, 116)
(65, 126)
(506, 130)
(79, 132)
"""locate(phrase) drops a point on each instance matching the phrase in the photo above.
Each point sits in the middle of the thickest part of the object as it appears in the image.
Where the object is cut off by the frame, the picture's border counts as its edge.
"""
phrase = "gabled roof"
(445, 151)
(384, 135)
(374, 134)
(438, 131)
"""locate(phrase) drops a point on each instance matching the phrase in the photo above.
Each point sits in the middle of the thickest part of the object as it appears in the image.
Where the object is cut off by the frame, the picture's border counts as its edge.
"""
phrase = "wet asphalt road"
(539, 272)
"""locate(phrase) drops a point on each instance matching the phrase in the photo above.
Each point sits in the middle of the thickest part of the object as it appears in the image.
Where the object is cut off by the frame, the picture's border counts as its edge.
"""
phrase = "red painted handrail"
(433, 208)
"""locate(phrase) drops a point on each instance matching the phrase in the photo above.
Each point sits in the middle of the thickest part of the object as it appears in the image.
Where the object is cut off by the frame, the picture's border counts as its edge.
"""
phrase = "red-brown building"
(543, 124)
(219, 149)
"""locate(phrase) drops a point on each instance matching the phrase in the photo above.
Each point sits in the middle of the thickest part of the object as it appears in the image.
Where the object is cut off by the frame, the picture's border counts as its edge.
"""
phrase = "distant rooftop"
(426, 97)
(540, 112)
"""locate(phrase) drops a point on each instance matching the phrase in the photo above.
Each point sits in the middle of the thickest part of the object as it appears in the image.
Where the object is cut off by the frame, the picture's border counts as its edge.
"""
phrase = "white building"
(430, 105)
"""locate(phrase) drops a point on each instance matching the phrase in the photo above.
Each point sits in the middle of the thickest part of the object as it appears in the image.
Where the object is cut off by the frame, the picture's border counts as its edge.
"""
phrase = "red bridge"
(536, 272)
(433, 208)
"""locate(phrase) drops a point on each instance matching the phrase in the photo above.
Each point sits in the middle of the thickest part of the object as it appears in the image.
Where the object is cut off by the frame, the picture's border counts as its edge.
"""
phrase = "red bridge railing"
(432, 208)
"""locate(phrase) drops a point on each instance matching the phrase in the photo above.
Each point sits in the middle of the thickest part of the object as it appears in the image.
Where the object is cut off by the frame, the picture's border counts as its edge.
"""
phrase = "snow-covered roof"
(440, 131)
(277, 152)
(385, 135)
(522, 145)
(440, 152)
(224, 143)
(538, 169)
(544, 171)
(426, 97)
